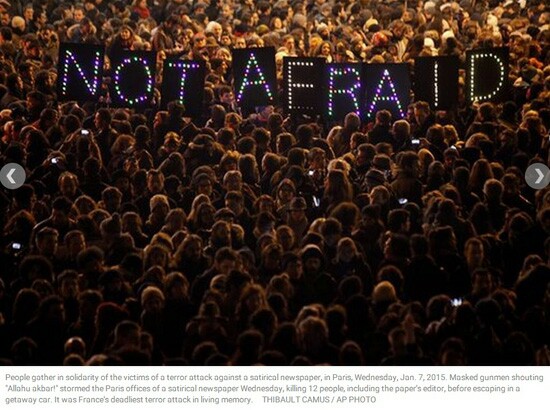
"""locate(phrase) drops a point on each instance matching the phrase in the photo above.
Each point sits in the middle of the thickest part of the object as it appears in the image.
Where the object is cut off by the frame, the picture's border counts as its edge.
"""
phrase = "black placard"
(80, 72)
(487, 74)
(302, 84)
(387, 87)
(436, 81)
(343, 88)
(133, 79)
(183, 81)
(255, 77)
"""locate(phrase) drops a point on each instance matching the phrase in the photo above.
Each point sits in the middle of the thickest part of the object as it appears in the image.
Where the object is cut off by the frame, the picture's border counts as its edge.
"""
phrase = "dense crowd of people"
(145, 237)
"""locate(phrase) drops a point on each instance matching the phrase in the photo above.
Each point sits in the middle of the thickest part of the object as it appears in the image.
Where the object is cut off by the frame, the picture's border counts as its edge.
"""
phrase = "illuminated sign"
(302, 84)
(309, 85)
(343, 90)
(255, 76)
(183, 81)
(387, 87)
(436, 81)
(133, 79)
(487, 74)
(80, 72)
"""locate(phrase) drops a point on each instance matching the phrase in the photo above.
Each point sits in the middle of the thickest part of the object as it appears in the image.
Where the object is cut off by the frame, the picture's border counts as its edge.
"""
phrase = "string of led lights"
(292, 85)
(183, 66)
(252, 62)
(436, 84)
(149, 83)
(92, 85)
(501, 76)
(302, 77)
(378, 97)
(355, 88)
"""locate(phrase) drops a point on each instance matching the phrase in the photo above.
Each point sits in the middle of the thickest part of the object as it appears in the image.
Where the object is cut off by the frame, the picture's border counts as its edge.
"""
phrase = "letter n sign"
(79, 72)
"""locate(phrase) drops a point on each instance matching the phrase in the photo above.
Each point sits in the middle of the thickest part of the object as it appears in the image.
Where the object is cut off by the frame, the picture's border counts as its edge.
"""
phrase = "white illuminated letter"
(393, 97)
(352, 91)
(252, 64)
(436, 84)
(184, 68)
(142, 63)
(473, 73)
(292, 85)
(91, 84)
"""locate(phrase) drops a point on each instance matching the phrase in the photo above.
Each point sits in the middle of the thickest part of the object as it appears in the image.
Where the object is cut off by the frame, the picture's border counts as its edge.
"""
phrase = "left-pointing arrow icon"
(9, 175)
(12, 175)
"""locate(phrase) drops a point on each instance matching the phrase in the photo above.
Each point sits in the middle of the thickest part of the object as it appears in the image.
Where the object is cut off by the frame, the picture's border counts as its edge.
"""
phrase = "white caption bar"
(275, 387)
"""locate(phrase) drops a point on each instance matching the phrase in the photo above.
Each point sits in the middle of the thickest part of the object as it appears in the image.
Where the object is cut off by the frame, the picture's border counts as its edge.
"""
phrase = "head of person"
(61, 209)
(421, 111)
(225, 260)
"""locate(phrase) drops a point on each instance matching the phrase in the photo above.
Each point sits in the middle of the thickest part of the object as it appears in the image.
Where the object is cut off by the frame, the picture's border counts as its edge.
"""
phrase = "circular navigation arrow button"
(537, 176)
(12, 175)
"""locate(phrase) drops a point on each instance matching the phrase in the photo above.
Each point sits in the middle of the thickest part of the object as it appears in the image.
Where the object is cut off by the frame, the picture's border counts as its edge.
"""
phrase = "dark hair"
(91, 254)
(62, 204)
(224, 254)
